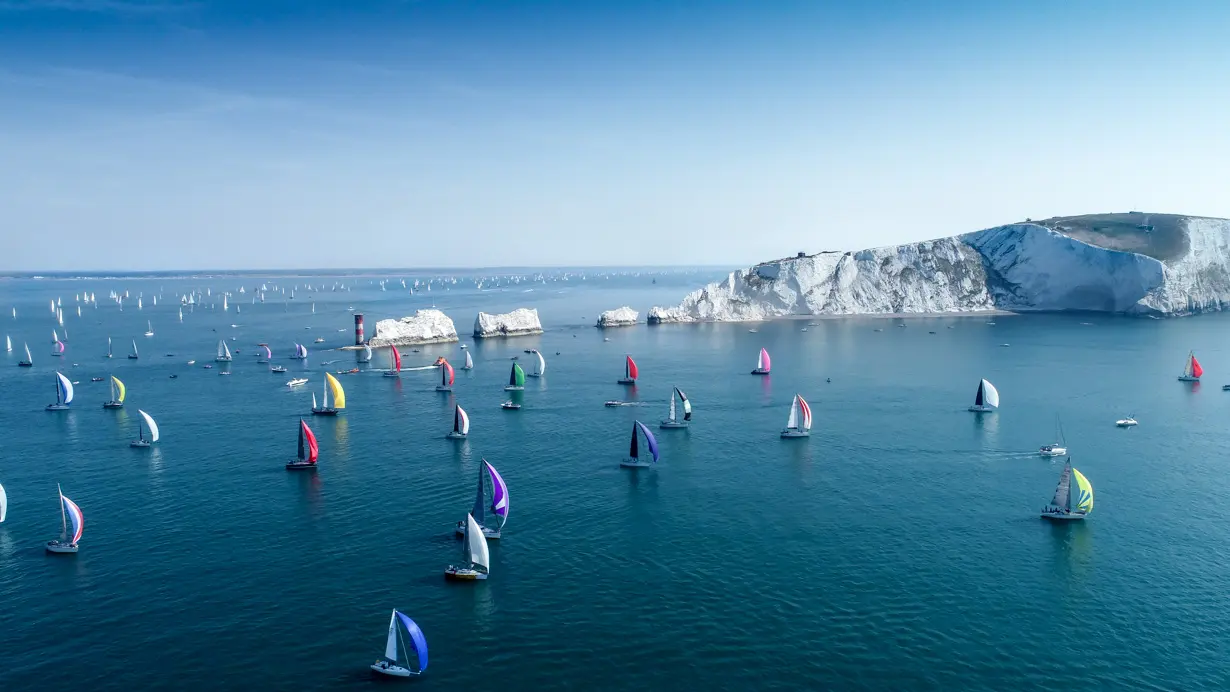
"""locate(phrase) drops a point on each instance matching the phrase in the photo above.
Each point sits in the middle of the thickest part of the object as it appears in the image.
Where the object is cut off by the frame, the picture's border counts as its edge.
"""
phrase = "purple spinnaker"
(499, 492)
(649, 439)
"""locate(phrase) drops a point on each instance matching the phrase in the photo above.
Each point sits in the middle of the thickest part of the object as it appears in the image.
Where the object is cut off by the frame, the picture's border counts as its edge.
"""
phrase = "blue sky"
(164, 134)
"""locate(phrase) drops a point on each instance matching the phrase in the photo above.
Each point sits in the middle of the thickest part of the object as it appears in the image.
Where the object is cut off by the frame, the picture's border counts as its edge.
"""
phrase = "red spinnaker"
(449, 369)
(313, 450)
(1196, 369)
(396, 359)
(632, 373)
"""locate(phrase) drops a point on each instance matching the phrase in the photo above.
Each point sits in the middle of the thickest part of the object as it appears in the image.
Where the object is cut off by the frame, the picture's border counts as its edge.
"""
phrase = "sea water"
(898, 548)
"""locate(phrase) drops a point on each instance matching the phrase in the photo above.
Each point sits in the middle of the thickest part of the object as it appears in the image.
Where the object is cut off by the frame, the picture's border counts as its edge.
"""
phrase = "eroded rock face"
(516, 323)
(1020, 267)
(423, 327)
(619, 317)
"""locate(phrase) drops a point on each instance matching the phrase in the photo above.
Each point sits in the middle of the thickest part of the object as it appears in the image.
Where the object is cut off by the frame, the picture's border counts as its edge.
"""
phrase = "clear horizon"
(158, 135)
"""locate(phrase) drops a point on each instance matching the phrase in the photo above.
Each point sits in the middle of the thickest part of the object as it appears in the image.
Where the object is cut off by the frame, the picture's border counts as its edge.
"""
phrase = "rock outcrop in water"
(1120, 263)
(619, 317)
(519, 322)
(423, 327)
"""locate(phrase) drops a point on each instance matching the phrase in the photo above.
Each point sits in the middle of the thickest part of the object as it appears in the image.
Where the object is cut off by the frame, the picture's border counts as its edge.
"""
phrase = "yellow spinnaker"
(339, 394)
(1085, 501)
(119, 388)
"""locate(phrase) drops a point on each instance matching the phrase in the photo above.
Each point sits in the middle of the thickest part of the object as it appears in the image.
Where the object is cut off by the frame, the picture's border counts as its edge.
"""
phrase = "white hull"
(672, 424)
(139, 443)
(392, 670)
(1053, 452)
(635, 464)
(1188, 378)
(981, 409)
(222, 360)
(58, 547)
(487, 533)
(513, 388)
(57, 407)
(1071, 516)
(1125, 423)
(456, 436)
(463, 574)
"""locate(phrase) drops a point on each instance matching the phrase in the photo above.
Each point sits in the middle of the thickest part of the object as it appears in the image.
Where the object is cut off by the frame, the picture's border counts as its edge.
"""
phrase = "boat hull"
(672, 425)
(139, 443)
(759, 371)
(625, 380)
(511, 407)
(223, 360)
(1053, 452)
(25, 364)
(443, 388)
(60, 547)
(513, 388)
(57, 407)
(462, 574)
(300, 466)
(392, 374)
(790, 434)
(487, 533)
(635, 464)
(133, 357)
(392, 670)
(456, 436)
(1071, 516)
(324, 412)
(976, 408)
(113, 404)
(1188, 378)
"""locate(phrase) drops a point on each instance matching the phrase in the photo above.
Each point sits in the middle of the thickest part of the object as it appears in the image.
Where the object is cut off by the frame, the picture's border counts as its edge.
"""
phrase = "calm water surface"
(897, 548)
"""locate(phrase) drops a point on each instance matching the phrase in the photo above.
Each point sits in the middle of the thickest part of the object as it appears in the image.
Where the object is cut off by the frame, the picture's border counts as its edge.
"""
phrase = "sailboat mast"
(63, 517)
(301, 457)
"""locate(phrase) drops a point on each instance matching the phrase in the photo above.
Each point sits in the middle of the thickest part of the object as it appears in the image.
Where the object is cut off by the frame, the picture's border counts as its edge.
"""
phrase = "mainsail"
(477, 545)
(1062, 495)
(469, 361)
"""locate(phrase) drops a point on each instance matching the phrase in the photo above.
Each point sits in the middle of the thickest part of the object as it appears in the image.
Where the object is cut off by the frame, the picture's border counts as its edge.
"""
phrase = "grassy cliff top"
(1160, 236)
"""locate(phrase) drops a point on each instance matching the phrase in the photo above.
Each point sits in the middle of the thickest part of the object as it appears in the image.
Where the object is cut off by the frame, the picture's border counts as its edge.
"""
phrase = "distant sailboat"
(58, 348)
(476, 562)
(181, 314)
(986, 399)
(149, 330)
(389, 664)
(141, 440)
(301, 352)
(308, 451)
(64, 394)
(108, 347)
(1192, 370)
(394, 371)
(367, 354)
(118, 392)
(28, 362)
(134, 355)
(763, 364)
(542, 364)
(469, 362)
(4, 504)
(498, 507)
(8, 344)
(1060, 447)
(672, 421)
(516, 379)
(224, 352)
(1061, 508)
(224, 305)
(630, 372)
(634, 459)
(265, 354)
(461, 424)
(799, 422)
(447, 376)
(332, 386)
(67, 542)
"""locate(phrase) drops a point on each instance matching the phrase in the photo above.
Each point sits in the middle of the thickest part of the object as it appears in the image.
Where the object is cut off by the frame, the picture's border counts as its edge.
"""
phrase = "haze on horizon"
(158, 134)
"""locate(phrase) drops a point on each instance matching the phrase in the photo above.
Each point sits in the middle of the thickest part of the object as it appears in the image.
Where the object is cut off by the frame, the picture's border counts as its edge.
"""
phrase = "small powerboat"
(96, 379)
(1126, 422)
(296, 382)
(277, 368)
(613, 404)
(510, 406)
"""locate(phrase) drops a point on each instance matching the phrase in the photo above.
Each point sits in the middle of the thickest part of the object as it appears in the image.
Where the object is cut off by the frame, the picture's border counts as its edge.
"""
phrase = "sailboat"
(763, 363)
(799, 422)
(394, 371)
(987, 398)
(516, 379)
(389, 664)
(542, 364)
(134, 355)
(630, 372)
(181, 314)
(68, 511)
(224, 305)
(149, 328)
(141, 441)
(1192, 371)
(447, 377)
(1057, 449)
(332, 386)
(367, 354)
(224, 352)
(108, 347)
(8, 344)
(28, 362)
(308, 451)
(498, 506)
(266, 355)
(469, 362)
(634, 459)
(476, 562)
(4, 504)
(118, 392)
(58, 349)
(301, 352)
(671, 420)
(1060, 508)
(461, 424)
(64, 394)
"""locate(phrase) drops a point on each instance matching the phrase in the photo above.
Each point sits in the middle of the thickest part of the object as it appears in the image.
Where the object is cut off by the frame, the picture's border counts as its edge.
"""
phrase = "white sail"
(149, 422)
(28, 358)
(224, 305)
(469, 361)
(181, 314)
(793, 421)
(66, 388)
(990, 395)
(465, 421)
(134, 348)
(390, 647)
(8, 345)
(671, 417)
(542, 363)
(477, 543)
(4, 504)
(314, 406)
(367, 353)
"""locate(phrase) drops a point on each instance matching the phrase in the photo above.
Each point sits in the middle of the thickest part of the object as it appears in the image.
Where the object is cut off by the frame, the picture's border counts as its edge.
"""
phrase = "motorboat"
(1057, 449)
(510, 406)
(1126, 422)
(296, 382)
(277, 368)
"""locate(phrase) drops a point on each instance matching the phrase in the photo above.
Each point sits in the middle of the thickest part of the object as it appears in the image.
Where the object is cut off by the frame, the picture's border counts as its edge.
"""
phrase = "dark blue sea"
(898, 548)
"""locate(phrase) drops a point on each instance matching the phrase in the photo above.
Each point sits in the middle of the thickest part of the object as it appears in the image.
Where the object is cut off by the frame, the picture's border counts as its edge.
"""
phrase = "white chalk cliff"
(1121, 263)
(619, 317)
(423, 327)
(516, 323)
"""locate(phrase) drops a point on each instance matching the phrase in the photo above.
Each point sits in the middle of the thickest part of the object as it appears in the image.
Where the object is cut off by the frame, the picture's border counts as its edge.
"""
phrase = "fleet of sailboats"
(144, 421)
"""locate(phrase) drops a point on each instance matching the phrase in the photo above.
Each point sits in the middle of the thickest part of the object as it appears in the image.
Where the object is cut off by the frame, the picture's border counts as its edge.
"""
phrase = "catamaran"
(1192, 371)
(265, 355)
(634, 459)
(394, 371)
(987, 398)
(469, 362)
(308, 451)
(1059, 448)
(498, 506)
(224, 352)
(68, 511)
(332, 386)
(118, 392)
(476, 562)
(461, 424)
(1061, 508)
(542, 364)
(671, 420)
(149, 328)
(64, 394)
(799, 422)
(389, 664)
(447, 376)
(630, 371)
(28, 362)
(763, 363)
(134, 355)
(141, 440)
(516, 379)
